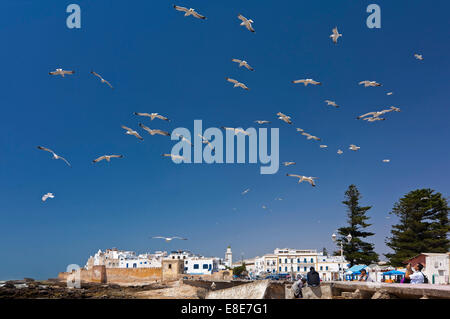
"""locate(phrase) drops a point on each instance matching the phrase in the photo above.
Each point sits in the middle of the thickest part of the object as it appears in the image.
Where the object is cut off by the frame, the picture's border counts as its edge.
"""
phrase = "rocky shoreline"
(54, 289)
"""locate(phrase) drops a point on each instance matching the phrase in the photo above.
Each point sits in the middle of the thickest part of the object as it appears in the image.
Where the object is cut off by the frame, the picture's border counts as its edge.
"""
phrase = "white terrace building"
(115, 258)
(295, 261)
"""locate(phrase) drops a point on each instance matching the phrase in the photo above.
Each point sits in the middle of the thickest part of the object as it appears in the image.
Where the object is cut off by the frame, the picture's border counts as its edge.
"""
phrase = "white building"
(266, 264)
(437, 268)
(330, 267)
(200, 265)
(115, 258)
(228, 257)
(295, 261)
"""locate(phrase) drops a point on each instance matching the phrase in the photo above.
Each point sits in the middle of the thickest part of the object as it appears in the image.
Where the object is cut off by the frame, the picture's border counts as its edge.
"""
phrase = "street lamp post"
(334, 238)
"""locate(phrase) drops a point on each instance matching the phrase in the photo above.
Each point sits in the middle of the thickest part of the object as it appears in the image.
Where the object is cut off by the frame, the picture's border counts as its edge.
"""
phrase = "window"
(196, 266)
(304, 260)
(285, 268)
(185, 268)
(280, 260)
(321, 267)
(304, 268)
(205, 266)
(298, 268)
(280, 269)
(141, 262)
(170, 266)
(298, 260)
(312, 260)
(285, 260)
(326, 268)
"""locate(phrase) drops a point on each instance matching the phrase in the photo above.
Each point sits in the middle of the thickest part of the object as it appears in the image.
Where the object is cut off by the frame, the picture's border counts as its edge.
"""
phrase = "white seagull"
(246, 191)
(369, 83)
(152, 116)
(46, 196)
(174, 156)
(418, 56)
(288, 163)
(310, 137)
(373, 119)
(302, 178)
(168, 239)
(379, 113)
(107, 158)
(284, 118)
(307, 81)
(61, 72)
(260, 122)
(340, 151)
(155, 131)
(237, 83)
(354, 147)
(55, 156)
(206, 141)
(323, 146)
(331, 103)
(246, 22)
(236, 130)
(243, 63)
(184, 139)
(389, 93)
(131, 132)
(300, 129)
(335, 36)
(188, 12)
(102, 79)
(386, 160)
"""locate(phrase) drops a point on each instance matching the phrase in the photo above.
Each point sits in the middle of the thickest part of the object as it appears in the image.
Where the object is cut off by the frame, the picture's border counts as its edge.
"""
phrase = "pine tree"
(423, 226)
(356, 251)
(324, 251)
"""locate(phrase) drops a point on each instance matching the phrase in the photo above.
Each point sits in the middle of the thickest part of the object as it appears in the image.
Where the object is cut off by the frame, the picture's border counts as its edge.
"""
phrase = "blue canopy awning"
(356, 269)
(393, 272)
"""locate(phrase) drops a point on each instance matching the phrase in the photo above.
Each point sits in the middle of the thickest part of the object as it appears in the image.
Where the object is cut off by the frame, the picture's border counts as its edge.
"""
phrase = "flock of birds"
(248, 24)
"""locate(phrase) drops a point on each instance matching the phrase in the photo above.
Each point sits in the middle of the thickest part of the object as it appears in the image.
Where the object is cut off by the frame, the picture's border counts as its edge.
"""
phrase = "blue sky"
(160, 61)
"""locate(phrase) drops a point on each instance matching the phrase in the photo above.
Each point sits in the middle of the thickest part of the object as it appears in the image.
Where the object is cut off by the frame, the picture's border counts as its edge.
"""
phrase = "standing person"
(417, 277)
(313, 278)
(365, 276)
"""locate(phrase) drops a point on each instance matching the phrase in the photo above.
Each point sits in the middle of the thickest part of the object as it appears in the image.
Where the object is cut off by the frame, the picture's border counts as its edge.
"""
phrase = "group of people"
(413, 275)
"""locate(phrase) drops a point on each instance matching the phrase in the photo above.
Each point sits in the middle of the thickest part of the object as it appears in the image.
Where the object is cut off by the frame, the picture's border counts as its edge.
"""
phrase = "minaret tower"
(228, 257)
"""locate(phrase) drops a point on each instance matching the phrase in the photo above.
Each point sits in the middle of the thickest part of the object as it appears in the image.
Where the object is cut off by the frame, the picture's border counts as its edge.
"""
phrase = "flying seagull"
(243, 63)
(188, 12)
(373, 119)
(131, 132)
(184, 139)
(174, 156)
(245, 192)
(237, 83)
(354, 147)
(300, 129)
(236, 130)
(339, 151)
(369, 83)
(335, 36)
(302, 178)
(331, 103)
(55, 156)
(102, 79)
(288, 163)
(284, 118)
(46, 196)
(323, 146)
(152, 116)
(418, 56)
(246, 22)
(168, 239)
(307, 81)
(206, 141)
(386, 160)
(260, 122)
(310, 137)
(106, 157)
(389, 93)
(61, 72)
(155, 131)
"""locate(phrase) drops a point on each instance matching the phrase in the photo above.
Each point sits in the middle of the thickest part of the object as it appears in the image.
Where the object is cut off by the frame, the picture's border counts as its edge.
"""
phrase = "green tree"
(423, 226)
(357, 251)
(324, 251)
(237, 271)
